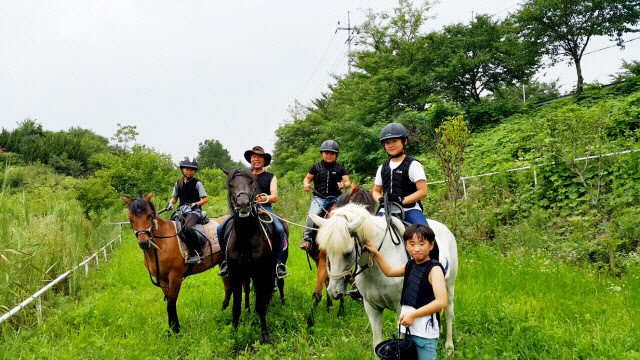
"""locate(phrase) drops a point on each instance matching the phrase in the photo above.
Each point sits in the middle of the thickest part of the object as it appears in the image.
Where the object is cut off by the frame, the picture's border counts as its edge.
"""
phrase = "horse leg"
(449, 316)
(236, 308)
(281, 289)
(375, 319)
(175, 282)
(341, 307)
(247, 289)
(263, 284)
(227, 292)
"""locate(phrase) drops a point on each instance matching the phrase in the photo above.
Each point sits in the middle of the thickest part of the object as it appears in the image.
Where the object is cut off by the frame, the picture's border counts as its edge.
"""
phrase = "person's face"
(419, 249)
(328, 156)
(257, 161)
(188, 172)
(393, 146)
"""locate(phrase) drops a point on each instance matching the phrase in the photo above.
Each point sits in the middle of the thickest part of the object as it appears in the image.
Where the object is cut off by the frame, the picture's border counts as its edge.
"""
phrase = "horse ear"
(125, 200)
(355, 224)
(318, 220)
(148, 197)
(226, 172)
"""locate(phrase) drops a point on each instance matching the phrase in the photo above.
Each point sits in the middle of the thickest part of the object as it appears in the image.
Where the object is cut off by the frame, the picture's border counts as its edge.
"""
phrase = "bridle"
(359, 249)
(150, 240)
(234, 199)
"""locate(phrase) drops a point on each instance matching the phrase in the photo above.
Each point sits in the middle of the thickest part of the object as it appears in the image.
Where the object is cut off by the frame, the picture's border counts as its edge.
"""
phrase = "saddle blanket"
(211, 246)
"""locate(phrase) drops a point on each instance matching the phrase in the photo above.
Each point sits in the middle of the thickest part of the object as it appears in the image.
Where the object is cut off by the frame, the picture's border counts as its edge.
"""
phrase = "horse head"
(242, 188)
(337, 236)
(142, 217)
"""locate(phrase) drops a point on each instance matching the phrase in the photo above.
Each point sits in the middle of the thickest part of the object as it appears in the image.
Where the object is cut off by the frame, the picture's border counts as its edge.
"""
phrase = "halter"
(359, 251)
(234, 200)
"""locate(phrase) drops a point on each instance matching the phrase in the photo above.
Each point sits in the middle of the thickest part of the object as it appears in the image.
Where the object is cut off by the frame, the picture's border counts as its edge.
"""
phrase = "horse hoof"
(309, 322)
(266, 340)
(282, 301)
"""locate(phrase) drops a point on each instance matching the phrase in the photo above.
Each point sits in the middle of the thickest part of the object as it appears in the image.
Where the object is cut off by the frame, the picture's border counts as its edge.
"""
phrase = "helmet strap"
(396, 155)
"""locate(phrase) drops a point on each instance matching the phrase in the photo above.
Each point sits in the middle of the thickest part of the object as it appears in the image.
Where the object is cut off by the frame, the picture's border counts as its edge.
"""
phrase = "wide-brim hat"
(258, 150)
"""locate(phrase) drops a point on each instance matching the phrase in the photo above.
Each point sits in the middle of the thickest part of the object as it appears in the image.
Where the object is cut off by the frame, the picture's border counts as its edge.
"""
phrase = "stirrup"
(194, 259)
(224, 269)
(283, 271)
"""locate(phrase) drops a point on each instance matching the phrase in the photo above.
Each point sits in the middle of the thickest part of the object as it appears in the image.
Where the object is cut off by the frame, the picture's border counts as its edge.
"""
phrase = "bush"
(14, 177)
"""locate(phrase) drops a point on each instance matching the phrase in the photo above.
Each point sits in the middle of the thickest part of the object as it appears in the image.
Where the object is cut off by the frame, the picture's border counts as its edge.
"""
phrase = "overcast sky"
(186, 71)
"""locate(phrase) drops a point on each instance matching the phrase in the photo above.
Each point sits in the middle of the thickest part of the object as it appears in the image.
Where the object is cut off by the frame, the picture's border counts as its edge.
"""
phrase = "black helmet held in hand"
(393, 131)
(330, 146)
(189, 163)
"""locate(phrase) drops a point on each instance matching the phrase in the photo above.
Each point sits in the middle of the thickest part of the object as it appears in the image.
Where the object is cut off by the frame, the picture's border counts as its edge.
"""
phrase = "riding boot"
(307, 243)
(224, 268)
(354, 293)
(195, 250)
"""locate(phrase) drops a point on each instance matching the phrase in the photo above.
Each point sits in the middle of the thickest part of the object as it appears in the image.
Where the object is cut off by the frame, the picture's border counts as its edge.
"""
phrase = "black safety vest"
(326, 181)
(187, 191)
(397, 182)
(264, 182)
(416, 288)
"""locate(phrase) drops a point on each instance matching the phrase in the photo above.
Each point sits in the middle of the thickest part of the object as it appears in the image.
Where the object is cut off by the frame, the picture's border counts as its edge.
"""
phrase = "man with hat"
(268, 184)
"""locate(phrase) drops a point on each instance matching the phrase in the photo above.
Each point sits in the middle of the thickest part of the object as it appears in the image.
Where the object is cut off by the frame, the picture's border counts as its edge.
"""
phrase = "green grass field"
(524, 306)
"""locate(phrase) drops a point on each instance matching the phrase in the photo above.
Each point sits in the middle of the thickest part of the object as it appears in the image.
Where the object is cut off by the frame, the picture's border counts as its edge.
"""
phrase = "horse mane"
(244, 172)
(358, 195)
(139, 205)
(333, 236)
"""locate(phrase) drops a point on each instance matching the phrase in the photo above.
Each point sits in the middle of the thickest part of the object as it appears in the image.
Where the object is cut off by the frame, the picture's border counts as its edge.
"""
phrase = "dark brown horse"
(158, 239)
(249, 252)
(358, 195)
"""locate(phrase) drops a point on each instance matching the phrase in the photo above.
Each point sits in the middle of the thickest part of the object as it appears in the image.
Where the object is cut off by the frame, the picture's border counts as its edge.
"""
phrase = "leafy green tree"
(451, 140)
(629, 69)
(470, 60)
(565, 27)
(211, 154)
(125, 134)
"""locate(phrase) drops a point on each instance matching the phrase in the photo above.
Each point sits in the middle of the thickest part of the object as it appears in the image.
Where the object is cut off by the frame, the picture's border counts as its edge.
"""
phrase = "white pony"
(342, 236)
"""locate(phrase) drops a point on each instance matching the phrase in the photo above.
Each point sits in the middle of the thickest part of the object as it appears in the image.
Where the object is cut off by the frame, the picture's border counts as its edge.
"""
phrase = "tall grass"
(43, 233)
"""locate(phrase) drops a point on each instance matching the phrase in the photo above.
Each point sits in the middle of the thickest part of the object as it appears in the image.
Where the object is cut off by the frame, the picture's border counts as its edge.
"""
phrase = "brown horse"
(358, 195)
(162, 256)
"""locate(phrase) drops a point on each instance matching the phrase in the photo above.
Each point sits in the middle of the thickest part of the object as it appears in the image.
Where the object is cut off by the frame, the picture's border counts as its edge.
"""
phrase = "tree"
(125, 134)
(451, 139)
(211, 154)
(470, 60)
(565, 27)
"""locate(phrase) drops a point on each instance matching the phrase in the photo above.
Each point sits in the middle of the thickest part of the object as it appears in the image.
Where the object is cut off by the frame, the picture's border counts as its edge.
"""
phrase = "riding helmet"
(330, 146)
(188, 162)
(393, 131)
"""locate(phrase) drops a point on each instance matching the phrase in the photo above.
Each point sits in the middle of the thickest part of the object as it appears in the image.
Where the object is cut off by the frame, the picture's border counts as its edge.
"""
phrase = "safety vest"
(397, 182)
(187, 191)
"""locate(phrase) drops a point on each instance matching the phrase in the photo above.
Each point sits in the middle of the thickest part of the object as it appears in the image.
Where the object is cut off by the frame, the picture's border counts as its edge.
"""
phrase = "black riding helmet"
(188, 162)
(393, 131)
(330, 146)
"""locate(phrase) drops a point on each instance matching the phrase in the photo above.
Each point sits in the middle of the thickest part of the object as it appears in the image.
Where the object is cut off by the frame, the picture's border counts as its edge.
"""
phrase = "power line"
(319, 62)
(608, 47)
(333, 67)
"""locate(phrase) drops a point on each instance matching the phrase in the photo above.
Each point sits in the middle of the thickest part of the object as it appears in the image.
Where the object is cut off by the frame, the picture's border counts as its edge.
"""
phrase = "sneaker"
(224, 269)
(281, 271)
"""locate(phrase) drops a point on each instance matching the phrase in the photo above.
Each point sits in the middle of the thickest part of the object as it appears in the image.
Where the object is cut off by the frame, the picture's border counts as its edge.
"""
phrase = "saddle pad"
(212, 238)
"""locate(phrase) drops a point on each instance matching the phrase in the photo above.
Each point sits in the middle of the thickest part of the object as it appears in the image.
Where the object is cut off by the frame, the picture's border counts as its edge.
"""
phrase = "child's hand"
(307, 187)
(340, 185)
(407, 319)
(371, 248)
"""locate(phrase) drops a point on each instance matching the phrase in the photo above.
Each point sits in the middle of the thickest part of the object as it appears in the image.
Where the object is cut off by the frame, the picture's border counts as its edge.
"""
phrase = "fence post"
(39, 308)
(464, 187)
(70, 287)
(104, 251)
(535, 177)
(86, 269)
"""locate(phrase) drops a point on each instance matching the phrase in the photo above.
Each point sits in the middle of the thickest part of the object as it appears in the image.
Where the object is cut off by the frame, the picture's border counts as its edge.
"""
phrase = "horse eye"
(347, 255)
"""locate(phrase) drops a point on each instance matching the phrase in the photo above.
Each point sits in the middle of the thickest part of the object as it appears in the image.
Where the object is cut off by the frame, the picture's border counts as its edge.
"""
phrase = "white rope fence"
(535, 177)
(85, 263)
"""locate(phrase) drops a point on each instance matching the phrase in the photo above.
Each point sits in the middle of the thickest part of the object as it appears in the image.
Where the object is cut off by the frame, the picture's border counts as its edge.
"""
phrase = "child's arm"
(203, 200)
(376, 192)
(420, 194)
(386, 268)
(345, 184)
(307, 182)
(436, 278)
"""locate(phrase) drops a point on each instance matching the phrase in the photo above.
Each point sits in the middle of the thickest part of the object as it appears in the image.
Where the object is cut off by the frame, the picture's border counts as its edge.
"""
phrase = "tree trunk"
(580, 85)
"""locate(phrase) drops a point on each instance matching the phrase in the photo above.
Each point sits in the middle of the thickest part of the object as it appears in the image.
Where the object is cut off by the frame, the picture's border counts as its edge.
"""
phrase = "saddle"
(207, 237)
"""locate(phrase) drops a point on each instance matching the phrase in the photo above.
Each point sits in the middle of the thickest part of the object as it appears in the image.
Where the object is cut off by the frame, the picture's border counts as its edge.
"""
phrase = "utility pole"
(349, 38)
